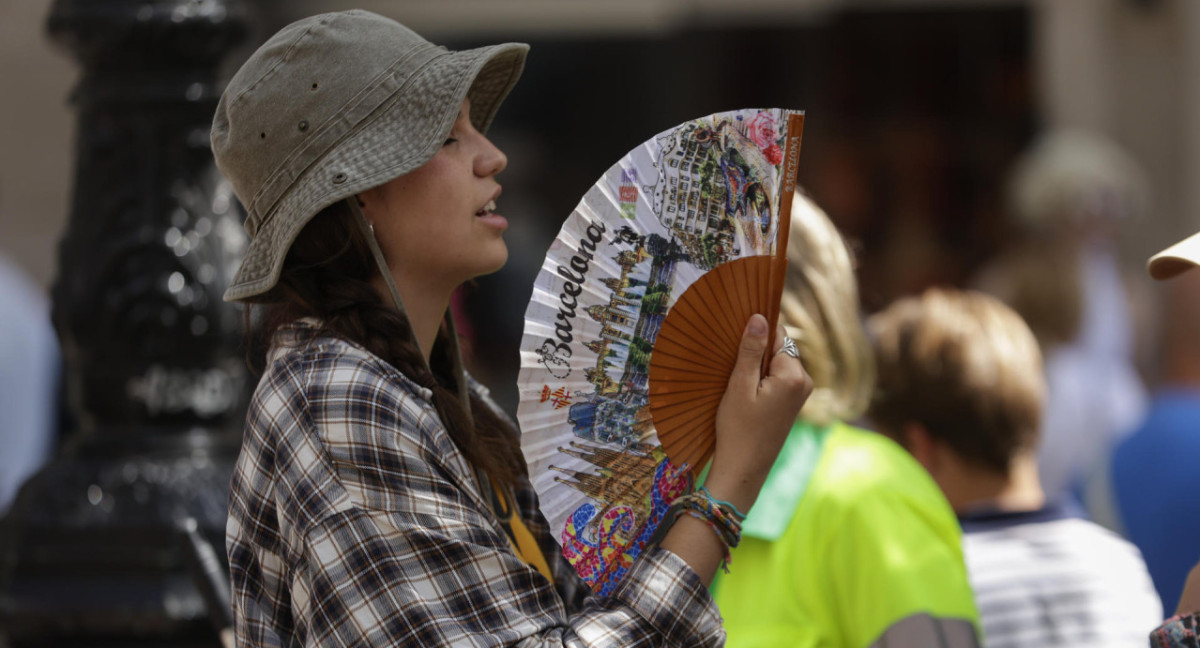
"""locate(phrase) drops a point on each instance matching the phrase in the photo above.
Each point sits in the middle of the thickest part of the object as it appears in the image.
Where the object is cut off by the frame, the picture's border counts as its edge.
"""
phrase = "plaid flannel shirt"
(354, 520)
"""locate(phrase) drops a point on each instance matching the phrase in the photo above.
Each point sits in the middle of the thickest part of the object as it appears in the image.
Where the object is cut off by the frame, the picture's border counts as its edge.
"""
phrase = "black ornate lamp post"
(112, 543)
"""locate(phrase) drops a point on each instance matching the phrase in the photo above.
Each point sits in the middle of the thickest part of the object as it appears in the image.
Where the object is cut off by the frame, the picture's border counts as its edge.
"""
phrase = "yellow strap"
(526, 546)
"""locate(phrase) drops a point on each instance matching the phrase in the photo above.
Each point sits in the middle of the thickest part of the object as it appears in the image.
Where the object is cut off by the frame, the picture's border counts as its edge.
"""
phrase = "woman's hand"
(752, 422)
(755, 416)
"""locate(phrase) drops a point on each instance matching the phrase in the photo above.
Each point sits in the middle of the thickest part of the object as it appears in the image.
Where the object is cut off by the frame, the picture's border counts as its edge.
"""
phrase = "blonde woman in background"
(850, 542)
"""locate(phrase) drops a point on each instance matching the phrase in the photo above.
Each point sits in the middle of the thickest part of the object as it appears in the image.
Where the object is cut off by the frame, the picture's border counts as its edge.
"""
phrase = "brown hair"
(964, 366)
(327, 275)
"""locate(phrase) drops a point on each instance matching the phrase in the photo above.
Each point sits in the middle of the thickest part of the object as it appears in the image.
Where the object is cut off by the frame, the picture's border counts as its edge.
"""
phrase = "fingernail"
(757, 325)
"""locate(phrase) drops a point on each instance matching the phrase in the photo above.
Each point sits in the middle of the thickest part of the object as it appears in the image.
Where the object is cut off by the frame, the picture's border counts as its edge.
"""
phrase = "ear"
(924, 448)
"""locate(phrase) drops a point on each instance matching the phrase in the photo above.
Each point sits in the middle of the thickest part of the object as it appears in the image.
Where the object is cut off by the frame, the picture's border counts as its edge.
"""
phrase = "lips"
(490, 207)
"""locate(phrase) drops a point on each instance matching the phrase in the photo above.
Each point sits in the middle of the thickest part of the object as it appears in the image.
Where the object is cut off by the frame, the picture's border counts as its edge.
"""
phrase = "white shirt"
(1043, 579)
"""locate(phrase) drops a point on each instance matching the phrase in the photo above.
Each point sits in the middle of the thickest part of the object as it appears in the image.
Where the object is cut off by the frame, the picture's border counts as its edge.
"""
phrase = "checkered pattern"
(354, 520)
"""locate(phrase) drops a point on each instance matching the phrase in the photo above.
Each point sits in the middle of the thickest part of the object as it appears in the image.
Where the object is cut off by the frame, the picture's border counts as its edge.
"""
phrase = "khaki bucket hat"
(335, 104)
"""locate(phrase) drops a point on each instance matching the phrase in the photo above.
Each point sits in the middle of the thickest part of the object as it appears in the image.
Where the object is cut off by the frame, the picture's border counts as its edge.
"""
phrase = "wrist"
(740, 492)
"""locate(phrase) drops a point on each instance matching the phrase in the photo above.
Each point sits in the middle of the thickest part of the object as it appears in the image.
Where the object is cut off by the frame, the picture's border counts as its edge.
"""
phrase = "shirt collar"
(787, 482)
(991, 519)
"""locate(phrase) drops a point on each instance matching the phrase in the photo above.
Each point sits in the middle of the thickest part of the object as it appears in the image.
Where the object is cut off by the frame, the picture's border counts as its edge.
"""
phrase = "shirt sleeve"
(896, 566)
(408, 555)
(371, 583)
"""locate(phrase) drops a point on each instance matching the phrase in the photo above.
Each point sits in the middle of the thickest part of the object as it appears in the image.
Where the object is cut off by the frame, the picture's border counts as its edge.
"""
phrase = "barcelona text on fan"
(573, 279)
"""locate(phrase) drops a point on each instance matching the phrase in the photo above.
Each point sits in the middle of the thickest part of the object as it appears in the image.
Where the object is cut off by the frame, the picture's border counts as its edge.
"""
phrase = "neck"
(424, 304)
(1018, 491)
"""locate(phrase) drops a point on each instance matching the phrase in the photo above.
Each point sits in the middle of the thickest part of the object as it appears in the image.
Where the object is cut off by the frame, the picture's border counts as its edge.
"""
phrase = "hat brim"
(387, 145)
(1178, 258)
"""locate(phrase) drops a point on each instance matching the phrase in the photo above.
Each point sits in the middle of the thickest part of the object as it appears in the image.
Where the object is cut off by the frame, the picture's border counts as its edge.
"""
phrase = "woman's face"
(437, 224)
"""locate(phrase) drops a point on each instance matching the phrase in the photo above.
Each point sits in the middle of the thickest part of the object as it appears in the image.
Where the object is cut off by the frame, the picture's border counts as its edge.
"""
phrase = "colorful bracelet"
(722, 517)
(727, 558)
(724, 522)
(728, 505)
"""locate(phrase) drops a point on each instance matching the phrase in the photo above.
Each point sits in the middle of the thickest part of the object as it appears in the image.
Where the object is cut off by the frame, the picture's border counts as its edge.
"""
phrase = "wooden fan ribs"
(691, 323)
(708, 302)
(697, 346)
(690, 357)
(698, 441)
(738, 284)
(683, 412)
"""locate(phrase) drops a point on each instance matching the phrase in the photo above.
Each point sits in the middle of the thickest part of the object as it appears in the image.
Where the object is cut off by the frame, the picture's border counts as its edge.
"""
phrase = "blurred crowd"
(1011, 431)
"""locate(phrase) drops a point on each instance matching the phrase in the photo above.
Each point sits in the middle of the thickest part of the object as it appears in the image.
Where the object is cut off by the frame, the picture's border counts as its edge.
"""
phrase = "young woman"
(380, 498)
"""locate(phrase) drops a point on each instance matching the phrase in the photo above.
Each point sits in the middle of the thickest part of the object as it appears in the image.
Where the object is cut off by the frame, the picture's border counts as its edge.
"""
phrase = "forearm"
(698, 544)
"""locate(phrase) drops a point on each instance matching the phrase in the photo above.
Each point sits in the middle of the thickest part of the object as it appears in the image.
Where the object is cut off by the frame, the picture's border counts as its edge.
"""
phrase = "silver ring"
(789, 347)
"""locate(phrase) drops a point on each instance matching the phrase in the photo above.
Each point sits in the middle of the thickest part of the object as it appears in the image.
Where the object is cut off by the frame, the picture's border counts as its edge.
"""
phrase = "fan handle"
(778, 272)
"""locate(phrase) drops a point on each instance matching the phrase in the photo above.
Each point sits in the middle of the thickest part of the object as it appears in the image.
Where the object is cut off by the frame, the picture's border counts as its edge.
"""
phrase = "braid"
(327, 275)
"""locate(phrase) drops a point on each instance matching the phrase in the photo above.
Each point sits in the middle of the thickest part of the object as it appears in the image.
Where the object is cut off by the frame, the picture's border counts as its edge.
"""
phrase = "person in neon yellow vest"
(851, 543)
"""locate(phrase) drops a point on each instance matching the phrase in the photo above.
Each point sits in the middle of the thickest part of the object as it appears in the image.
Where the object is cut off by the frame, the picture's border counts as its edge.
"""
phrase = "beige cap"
(1182, 256)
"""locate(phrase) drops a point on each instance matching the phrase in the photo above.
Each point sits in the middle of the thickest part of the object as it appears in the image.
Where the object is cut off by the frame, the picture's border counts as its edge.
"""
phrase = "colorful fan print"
(635, 321)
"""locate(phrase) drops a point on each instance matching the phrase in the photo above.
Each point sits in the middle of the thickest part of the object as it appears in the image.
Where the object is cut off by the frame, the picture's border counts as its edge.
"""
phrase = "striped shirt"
(354, 520)
(1044, 578)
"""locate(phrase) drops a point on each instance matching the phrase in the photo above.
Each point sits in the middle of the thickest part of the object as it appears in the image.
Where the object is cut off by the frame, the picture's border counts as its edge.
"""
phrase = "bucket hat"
(335, 104)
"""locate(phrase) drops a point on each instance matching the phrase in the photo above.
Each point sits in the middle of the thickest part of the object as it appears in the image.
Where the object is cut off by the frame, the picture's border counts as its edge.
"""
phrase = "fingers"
(783, 368)
(780, 335)
(750, 352)
(781, 361)
(788, 369)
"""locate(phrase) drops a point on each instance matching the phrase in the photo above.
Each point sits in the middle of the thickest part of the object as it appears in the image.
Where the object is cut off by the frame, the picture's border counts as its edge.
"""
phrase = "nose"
(491, 160)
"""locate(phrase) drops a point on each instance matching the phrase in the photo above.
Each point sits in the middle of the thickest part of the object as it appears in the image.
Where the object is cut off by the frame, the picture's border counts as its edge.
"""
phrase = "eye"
(449, 141)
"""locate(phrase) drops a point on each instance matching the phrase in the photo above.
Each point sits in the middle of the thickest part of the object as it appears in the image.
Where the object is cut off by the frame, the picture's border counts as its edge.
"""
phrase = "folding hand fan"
(635, 321)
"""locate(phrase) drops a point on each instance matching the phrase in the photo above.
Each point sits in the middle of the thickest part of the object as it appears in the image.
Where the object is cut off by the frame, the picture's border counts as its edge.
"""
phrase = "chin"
(492, 261)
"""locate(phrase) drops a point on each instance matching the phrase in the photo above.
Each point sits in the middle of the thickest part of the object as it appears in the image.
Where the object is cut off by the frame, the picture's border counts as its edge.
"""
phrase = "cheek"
(417, 243)
(411, 217)
(429, 242)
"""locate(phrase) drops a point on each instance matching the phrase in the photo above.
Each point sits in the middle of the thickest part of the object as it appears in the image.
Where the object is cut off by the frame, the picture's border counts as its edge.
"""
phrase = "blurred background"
(918, 112)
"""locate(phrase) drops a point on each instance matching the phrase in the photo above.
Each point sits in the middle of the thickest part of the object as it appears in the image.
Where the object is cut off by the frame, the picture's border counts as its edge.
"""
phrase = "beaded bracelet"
(724, 522)
(727, 557)
(723, 518)
(728, 505)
